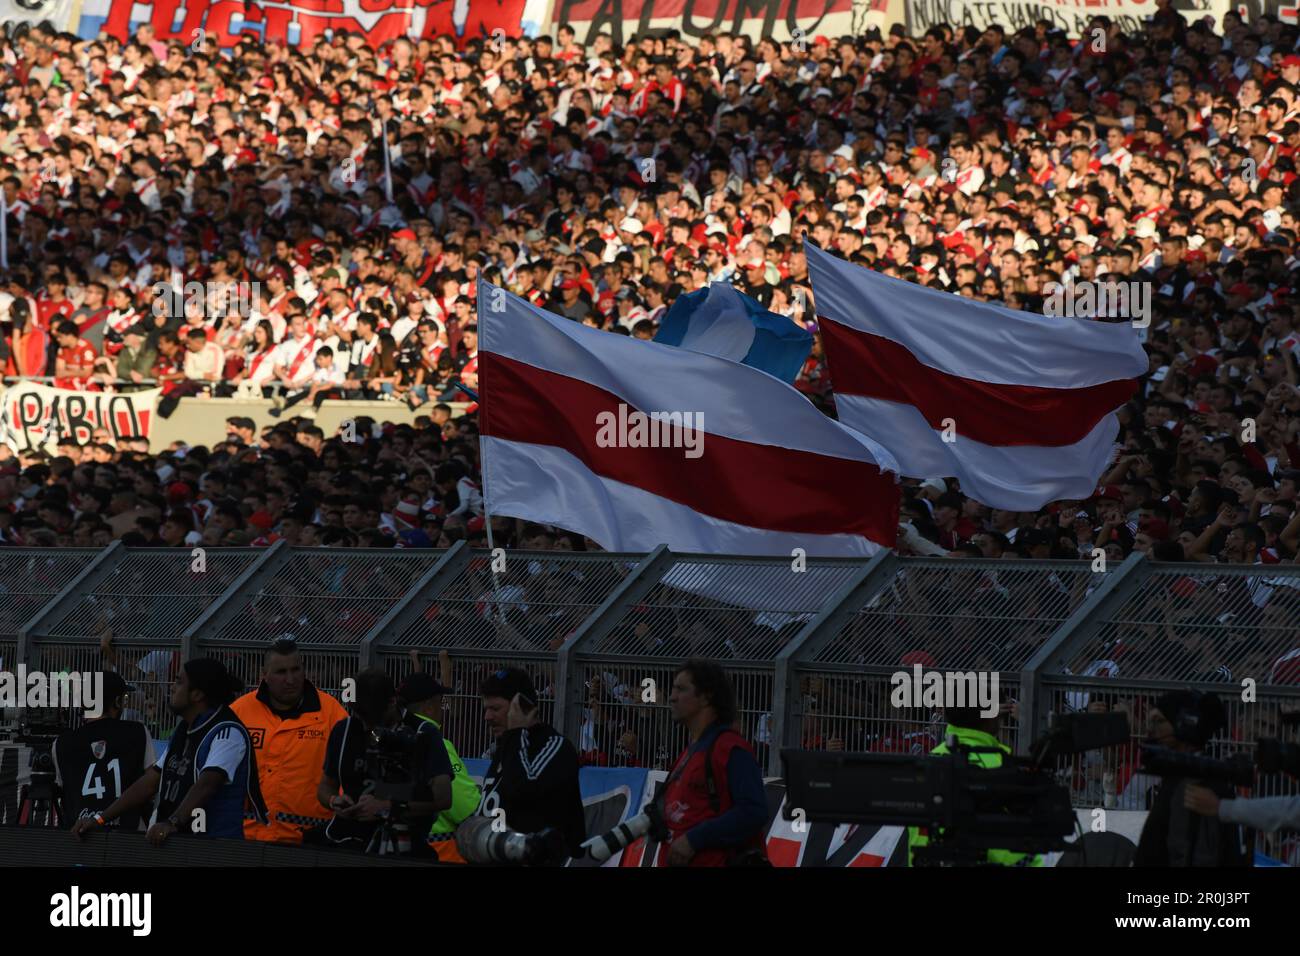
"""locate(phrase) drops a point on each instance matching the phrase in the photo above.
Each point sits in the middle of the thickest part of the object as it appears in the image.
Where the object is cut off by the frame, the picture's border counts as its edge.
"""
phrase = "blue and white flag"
(729, 324)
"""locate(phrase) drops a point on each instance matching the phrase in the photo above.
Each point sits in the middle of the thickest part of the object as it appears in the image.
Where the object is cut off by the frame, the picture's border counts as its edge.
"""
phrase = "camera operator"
(101, 758)
(533, 776)
(209, 764)
(973, 730)
(423, 696)
(347, 781)
(1184, 721)
(714, 803)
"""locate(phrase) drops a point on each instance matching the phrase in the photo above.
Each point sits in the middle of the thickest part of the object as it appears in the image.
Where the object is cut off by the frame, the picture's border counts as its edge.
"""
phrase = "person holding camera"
(533, 776)
(973, 731)
(96, 762)
(209, 766)
(714, 804)
(348, 779)
(423, 694)
(1183, 721)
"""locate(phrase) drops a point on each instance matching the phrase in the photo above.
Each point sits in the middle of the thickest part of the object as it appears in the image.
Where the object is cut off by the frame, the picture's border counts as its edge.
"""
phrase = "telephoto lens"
(649, 820)
(479, 843)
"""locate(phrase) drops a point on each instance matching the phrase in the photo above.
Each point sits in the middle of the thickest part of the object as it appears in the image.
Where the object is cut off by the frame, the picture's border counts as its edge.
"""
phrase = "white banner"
(36, 416)
(1069, 15)
(57, 12)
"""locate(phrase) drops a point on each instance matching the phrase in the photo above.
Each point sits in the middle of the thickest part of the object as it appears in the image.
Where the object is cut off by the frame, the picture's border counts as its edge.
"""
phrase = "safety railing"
(816, 648)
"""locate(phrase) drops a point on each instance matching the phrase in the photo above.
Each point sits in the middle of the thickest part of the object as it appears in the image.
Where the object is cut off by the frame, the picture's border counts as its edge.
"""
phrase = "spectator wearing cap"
(423, 697)
(571, 304)
(209, 765)
(133, 364)
(289, 721)
(95, 763)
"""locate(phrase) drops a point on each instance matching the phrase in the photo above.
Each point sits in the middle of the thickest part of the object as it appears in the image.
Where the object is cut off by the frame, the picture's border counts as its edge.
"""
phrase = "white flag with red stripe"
(1019, 407)
(636, 444)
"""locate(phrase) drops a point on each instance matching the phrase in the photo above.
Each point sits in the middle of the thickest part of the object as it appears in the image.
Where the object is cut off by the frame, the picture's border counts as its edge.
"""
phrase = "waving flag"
(729, 324)
(1017, 406)
(636, 444)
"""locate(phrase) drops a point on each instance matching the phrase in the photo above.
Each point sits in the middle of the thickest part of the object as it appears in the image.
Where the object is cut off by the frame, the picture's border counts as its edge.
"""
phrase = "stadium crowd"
(602, 183)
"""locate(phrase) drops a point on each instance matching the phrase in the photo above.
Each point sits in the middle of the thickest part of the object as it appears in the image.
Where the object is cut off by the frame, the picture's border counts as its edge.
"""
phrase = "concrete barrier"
(202, 421)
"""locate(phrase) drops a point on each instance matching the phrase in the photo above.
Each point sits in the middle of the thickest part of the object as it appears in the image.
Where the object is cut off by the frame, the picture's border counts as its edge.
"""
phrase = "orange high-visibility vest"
(290, 755)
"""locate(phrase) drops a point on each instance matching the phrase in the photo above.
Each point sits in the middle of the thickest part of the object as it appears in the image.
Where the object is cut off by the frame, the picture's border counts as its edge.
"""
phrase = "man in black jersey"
(95, 763)
(533, 777)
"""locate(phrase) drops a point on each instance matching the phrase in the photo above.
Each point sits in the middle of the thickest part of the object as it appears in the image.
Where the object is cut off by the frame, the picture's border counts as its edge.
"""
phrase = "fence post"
(431, 583)
(1116, 588)
(94, 572)
(220, 612)
(878, 572)
(633, 588)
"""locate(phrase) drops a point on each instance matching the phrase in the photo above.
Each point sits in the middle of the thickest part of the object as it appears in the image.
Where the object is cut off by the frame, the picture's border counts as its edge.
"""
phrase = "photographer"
(714, 803)
(348, 781)
(533, 776)
(209, 764)
(975, 732)
(1183, 721)
(101, 758)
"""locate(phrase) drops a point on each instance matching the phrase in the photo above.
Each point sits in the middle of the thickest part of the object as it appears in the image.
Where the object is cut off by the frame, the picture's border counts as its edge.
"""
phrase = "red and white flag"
(636, 444)
(1019, 407)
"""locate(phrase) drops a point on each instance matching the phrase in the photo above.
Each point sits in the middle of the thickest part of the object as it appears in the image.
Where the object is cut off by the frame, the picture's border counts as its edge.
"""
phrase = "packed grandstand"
(218, 223)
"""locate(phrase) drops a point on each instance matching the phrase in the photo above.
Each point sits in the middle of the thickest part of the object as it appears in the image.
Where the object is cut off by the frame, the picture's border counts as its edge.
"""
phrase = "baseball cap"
(1146, 229)
(937, 484)
(407, 512)
(631, 224)
(405, 234)
(114, 685)
(421, 686)
(1290, 61)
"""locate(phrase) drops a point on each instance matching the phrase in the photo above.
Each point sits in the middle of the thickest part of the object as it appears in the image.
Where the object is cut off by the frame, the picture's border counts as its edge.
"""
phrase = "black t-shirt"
(97, 762)
(345, 761)
(534, 779)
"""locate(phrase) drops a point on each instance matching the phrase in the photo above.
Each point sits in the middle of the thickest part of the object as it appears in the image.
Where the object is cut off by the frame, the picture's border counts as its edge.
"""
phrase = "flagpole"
(4, 230)
(498, 612)
(388, 169)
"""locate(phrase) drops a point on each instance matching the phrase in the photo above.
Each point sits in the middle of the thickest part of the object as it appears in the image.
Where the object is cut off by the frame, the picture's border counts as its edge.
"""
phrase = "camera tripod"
(37, 806)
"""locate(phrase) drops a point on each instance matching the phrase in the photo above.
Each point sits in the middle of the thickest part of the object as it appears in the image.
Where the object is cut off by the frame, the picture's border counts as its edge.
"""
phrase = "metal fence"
(815, 647)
